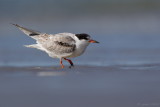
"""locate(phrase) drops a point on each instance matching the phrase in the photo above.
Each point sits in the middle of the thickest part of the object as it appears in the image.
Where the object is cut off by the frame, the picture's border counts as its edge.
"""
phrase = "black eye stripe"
(82, 36)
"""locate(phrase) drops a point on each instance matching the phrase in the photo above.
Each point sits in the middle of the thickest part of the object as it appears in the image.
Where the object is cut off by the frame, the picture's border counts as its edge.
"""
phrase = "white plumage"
(61, 45)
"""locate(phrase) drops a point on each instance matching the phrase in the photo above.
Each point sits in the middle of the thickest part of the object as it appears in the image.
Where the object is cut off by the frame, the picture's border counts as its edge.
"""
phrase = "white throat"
(81, 45)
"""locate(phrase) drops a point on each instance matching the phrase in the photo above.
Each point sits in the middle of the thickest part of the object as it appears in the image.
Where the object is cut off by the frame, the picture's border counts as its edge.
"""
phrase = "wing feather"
(32, 33)
(60, 44)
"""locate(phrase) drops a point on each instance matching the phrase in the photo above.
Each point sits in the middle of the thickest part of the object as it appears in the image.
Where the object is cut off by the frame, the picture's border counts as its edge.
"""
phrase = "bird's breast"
(78, 51)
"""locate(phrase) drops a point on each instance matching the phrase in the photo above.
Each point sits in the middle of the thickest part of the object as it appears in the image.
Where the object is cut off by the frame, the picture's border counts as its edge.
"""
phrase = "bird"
(61, 45)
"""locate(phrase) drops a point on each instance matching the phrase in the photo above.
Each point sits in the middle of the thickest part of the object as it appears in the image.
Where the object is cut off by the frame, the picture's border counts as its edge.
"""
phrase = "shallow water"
(123, 51)
(132, 43)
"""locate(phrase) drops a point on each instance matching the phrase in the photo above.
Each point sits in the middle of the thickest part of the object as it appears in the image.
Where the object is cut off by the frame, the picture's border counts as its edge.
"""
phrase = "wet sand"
(81, 86)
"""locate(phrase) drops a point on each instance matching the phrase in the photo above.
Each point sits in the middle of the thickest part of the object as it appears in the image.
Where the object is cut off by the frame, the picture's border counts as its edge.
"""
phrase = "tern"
(61, 45)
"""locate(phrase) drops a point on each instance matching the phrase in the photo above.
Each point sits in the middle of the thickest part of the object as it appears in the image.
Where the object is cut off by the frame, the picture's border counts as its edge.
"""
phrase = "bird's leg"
(62, 66)
(69, 62)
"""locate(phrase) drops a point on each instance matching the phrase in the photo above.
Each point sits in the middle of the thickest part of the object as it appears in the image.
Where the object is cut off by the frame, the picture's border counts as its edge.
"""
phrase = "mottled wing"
(60, 44)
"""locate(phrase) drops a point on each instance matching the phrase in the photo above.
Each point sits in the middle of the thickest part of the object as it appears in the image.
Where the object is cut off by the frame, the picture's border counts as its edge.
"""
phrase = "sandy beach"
(81, 86)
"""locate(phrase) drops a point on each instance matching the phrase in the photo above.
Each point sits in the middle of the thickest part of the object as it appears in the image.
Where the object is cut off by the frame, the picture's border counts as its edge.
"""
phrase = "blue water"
(125, 39)
(112, 50)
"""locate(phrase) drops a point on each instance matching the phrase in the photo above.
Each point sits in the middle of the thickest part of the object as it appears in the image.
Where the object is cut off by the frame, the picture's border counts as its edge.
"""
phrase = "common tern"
(61, 45)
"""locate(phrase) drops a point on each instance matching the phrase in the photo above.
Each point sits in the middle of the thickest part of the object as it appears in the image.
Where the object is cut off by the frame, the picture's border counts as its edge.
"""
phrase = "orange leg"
(69, 62)
(62, 66)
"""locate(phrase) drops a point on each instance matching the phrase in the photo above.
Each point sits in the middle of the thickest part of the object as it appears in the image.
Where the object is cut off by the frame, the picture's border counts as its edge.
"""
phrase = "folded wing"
(60, 44)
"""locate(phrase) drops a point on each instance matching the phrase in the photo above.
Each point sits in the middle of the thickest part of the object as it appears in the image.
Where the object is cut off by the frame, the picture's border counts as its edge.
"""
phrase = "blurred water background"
(128, 30)
(121, 71)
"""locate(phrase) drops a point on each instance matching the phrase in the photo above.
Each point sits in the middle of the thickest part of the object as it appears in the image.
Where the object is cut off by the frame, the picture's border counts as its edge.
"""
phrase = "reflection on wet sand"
(52, 73)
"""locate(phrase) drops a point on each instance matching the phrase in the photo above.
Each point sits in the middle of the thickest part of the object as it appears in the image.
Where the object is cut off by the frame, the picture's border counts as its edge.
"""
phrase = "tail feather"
(27, 31)
(34, 46)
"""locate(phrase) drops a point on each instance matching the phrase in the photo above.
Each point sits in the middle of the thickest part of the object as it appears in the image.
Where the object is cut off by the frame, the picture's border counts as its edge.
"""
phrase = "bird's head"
(85, 38)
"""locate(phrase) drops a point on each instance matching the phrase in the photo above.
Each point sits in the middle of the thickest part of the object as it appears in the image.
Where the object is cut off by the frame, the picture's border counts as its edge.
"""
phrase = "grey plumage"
(61, 45)
(58, 44)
